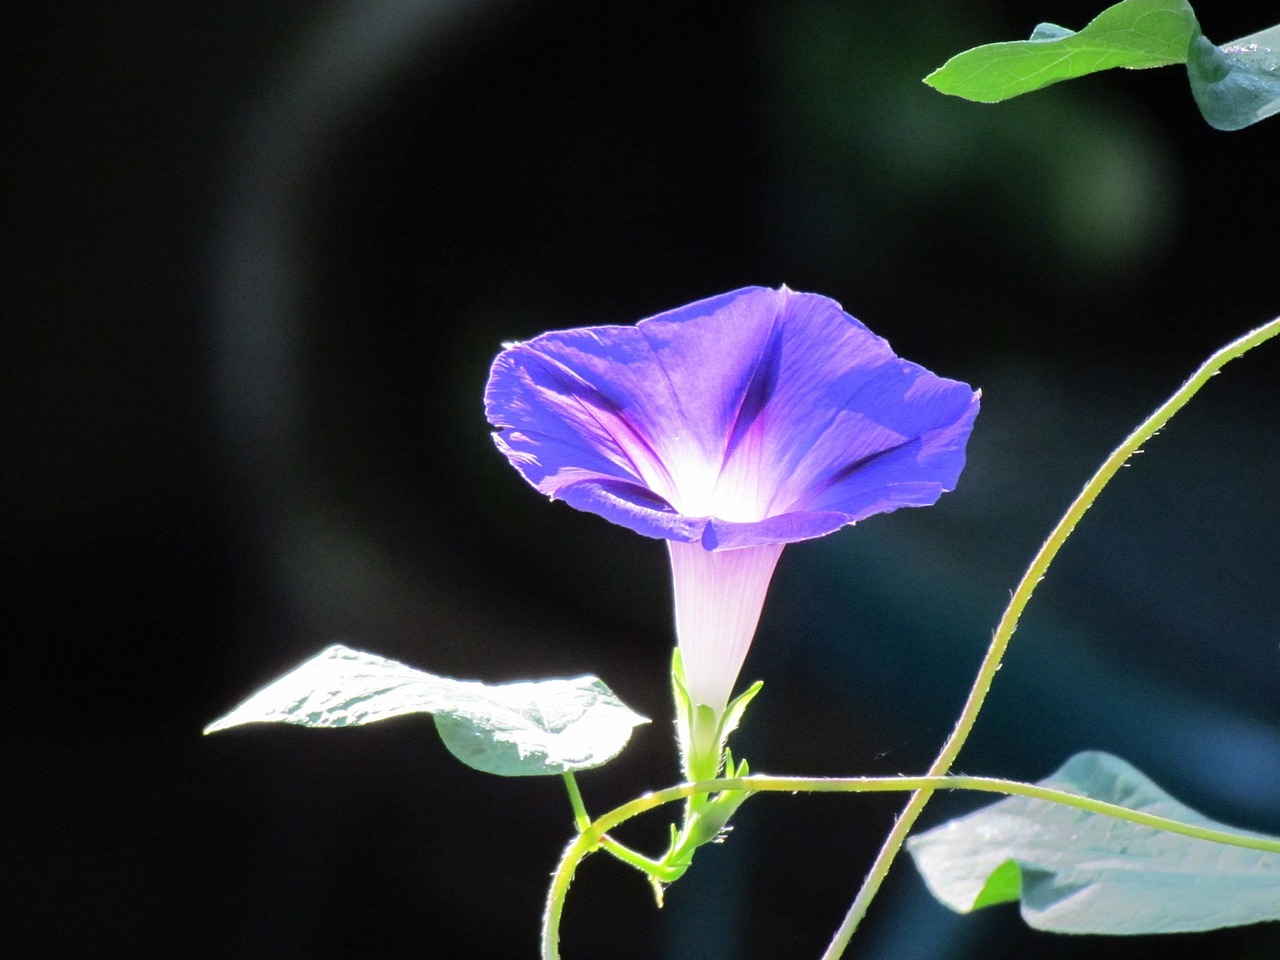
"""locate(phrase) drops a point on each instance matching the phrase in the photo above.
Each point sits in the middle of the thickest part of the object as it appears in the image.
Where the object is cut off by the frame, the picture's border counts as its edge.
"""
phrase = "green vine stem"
(624, 853)
(580, 817)
(591, 839)
(1017, 603)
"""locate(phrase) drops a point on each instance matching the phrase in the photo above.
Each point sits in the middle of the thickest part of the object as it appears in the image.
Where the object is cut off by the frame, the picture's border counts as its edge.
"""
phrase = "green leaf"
(1134, 34)
(1079, 872)
(512, 729)
(1238, 83)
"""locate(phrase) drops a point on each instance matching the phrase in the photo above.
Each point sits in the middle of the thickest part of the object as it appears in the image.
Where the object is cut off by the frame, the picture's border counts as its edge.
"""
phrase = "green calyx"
(704, 755)
(703, 736)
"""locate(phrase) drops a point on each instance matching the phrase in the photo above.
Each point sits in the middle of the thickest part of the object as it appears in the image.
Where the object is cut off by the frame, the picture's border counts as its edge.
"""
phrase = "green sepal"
(684, 710)
(733, 713)
(702, 737)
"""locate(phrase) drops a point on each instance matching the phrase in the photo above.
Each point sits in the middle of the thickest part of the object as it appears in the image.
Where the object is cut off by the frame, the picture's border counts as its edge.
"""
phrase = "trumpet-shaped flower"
(729, 427)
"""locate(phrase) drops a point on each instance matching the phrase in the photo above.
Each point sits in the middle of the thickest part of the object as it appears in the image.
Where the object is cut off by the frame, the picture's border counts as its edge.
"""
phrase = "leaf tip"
(222, 723)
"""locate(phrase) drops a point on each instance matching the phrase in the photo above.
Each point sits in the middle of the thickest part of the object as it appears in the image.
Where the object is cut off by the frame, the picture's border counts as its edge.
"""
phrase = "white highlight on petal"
(719, 595)
(740, 487)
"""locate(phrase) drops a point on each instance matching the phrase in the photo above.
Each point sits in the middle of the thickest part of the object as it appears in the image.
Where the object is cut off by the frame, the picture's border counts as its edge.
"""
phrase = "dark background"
(257, 258)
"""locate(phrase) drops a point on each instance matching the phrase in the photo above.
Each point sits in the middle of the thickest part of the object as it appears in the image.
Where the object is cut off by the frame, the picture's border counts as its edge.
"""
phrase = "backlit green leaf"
(512, 729)
(1078, 872)
(1133, 34)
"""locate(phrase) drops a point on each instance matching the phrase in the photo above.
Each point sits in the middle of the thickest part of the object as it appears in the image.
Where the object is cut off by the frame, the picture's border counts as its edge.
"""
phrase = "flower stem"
(580, 817)
(654, 869)
(1009, 620)
(593, 837)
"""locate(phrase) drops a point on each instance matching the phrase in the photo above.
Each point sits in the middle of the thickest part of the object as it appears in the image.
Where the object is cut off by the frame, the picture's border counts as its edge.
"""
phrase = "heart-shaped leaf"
(513, 729)
(1238, 83)
(1080, 872)
(1133, 34)
(1235, 84)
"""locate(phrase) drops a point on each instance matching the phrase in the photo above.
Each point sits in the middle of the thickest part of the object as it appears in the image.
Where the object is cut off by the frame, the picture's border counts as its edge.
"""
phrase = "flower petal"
(637, 415)
(755, 417)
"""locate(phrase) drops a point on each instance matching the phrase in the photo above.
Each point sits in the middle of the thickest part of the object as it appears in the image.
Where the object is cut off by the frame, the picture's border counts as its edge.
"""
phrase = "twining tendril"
(593, 837)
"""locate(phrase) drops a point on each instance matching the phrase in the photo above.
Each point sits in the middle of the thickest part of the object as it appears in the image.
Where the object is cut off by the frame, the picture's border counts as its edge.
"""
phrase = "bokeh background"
(257, 258)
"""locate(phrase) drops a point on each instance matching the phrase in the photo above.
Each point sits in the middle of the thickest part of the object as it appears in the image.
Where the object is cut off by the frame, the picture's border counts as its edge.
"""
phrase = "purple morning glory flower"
(729, 427)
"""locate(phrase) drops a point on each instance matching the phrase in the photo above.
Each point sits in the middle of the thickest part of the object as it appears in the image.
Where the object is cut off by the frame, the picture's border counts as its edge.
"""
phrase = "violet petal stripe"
(756, 417)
